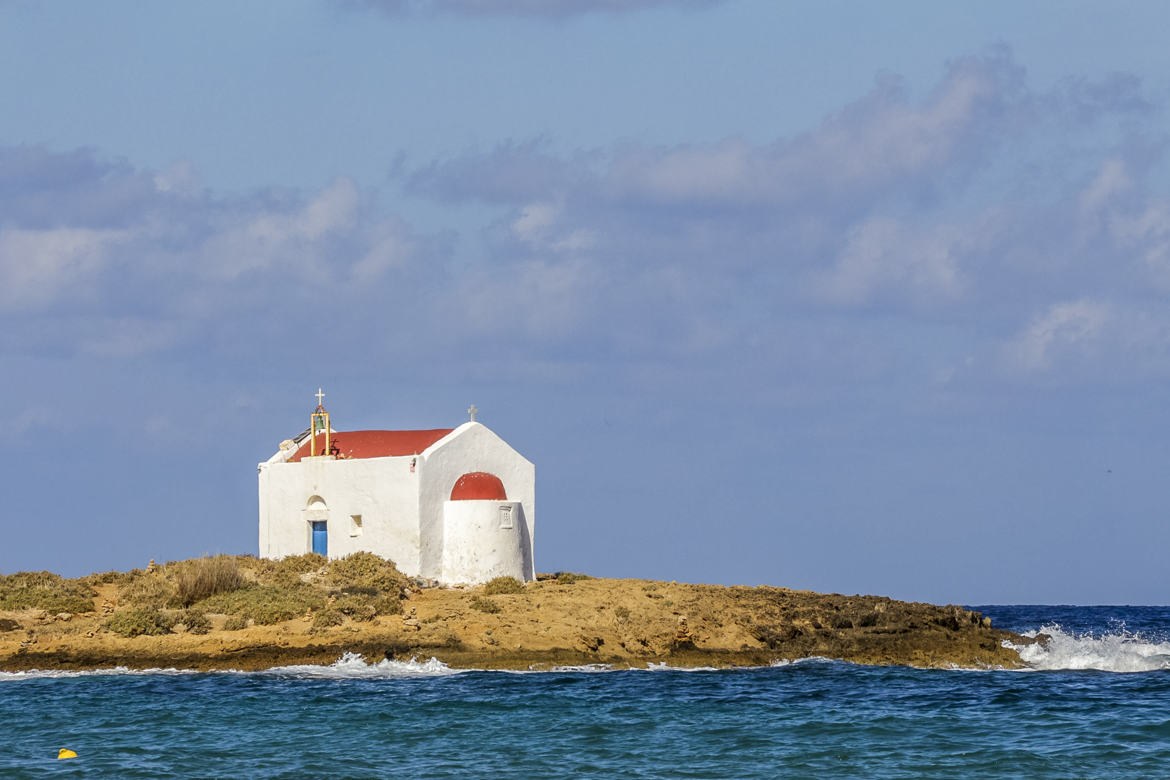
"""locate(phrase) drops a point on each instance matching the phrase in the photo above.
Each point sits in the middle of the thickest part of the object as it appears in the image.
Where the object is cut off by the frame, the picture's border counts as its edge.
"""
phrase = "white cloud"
(1111, 180)
(334, 209)
(880, 143)
(283, 237)
(180, 179)
(391, 246)
(1068, 329)
(535, 300)
(538, 225)
(38, 265)
(882, 256)
(1146, 232)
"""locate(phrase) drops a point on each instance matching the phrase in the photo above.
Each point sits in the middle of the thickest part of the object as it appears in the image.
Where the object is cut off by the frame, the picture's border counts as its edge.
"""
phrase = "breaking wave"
(1122, 651)
(349, 666)
(354, 666)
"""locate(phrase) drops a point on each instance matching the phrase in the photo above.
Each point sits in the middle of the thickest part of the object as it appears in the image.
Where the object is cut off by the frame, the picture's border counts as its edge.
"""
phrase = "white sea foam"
(813, 659)
(354, 666)
(50, 674)
(350, 665)
(1116, 652)
(663, 667)
(586, 668)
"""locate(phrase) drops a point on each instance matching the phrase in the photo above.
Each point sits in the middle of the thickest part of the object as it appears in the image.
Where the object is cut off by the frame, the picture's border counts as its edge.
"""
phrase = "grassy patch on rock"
(360, 587)
(44, 590)
(485, 605)
(138, 622)
(202, 578)
(195, 621)
(267, 604)
(502, 585)
(364, 571)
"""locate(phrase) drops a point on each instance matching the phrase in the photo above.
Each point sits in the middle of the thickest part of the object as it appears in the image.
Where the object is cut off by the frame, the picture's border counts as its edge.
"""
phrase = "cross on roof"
(320, 397)
(472, 410)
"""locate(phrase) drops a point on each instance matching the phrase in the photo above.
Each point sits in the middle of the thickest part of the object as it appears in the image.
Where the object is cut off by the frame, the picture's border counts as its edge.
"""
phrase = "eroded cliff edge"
(558, 620)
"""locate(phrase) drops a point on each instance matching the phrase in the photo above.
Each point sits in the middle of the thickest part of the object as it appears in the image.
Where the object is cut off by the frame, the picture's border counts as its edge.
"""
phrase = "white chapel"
(448, 504)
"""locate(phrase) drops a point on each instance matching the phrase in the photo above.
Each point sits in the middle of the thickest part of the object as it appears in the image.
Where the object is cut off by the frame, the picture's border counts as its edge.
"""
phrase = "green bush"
(135, 622)
(360, 590)
(288, 571)
(195, 620)
(621, 613)
(327, 618)
(485, 605)
(235, 623)
(501, 585)
(266, 604)
(44, 590)
(366, 571)
(201, 578)
(568, 577)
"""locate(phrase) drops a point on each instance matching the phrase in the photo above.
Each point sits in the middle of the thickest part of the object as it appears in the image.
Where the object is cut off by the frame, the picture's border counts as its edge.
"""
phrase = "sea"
(1094, 702)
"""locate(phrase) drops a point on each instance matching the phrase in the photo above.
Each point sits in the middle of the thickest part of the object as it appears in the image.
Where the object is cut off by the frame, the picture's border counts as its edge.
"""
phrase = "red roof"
(478, 486)
(374, 444)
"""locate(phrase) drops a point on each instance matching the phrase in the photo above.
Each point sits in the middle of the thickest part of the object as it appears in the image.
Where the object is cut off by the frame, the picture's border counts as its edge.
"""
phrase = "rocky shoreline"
(556, 621)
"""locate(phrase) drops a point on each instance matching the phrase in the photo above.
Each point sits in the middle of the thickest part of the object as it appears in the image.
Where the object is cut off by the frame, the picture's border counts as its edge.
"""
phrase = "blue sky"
(848, 297)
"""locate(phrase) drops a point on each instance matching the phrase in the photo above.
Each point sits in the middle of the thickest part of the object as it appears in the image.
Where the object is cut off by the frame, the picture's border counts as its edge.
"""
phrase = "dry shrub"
(356, 607)
(103, 578)
(502, 585)
(202, 578)
(288, 571)
(266, 604)
(44, 590)
(195, 620)
(387, 605)
(868, 619)
(135, 622)
(366, 571)
(327, 618)
(235, 623)
(485, 605)
(147, 590)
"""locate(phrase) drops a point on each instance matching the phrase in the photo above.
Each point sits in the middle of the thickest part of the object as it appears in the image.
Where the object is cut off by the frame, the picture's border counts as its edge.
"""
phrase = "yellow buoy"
(66, 753)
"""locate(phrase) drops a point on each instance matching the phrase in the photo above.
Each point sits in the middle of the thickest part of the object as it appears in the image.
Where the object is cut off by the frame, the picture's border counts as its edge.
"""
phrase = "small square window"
(355, 525)
(505, 517)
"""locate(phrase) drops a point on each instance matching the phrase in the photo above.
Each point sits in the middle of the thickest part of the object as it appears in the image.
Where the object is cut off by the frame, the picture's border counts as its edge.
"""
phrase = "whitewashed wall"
(382, 490)
(470, 447)
(479, 548)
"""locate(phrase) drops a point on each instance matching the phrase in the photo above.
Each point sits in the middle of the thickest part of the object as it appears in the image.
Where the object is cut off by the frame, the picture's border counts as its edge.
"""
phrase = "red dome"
(478, 486)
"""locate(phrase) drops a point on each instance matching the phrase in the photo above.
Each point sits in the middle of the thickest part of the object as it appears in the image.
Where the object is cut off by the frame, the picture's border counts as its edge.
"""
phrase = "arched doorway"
(317, 514)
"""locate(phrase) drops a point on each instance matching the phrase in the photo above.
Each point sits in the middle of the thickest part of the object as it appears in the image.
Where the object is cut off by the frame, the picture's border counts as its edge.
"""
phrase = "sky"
(859, 298)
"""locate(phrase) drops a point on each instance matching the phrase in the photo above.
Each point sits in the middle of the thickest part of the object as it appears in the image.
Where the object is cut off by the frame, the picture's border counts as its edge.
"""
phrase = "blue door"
(320, 538)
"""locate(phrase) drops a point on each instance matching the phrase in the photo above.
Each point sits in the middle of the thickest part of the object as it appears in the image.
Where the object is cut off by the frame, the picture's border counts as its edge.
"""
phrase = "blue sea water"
(1094, 703)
